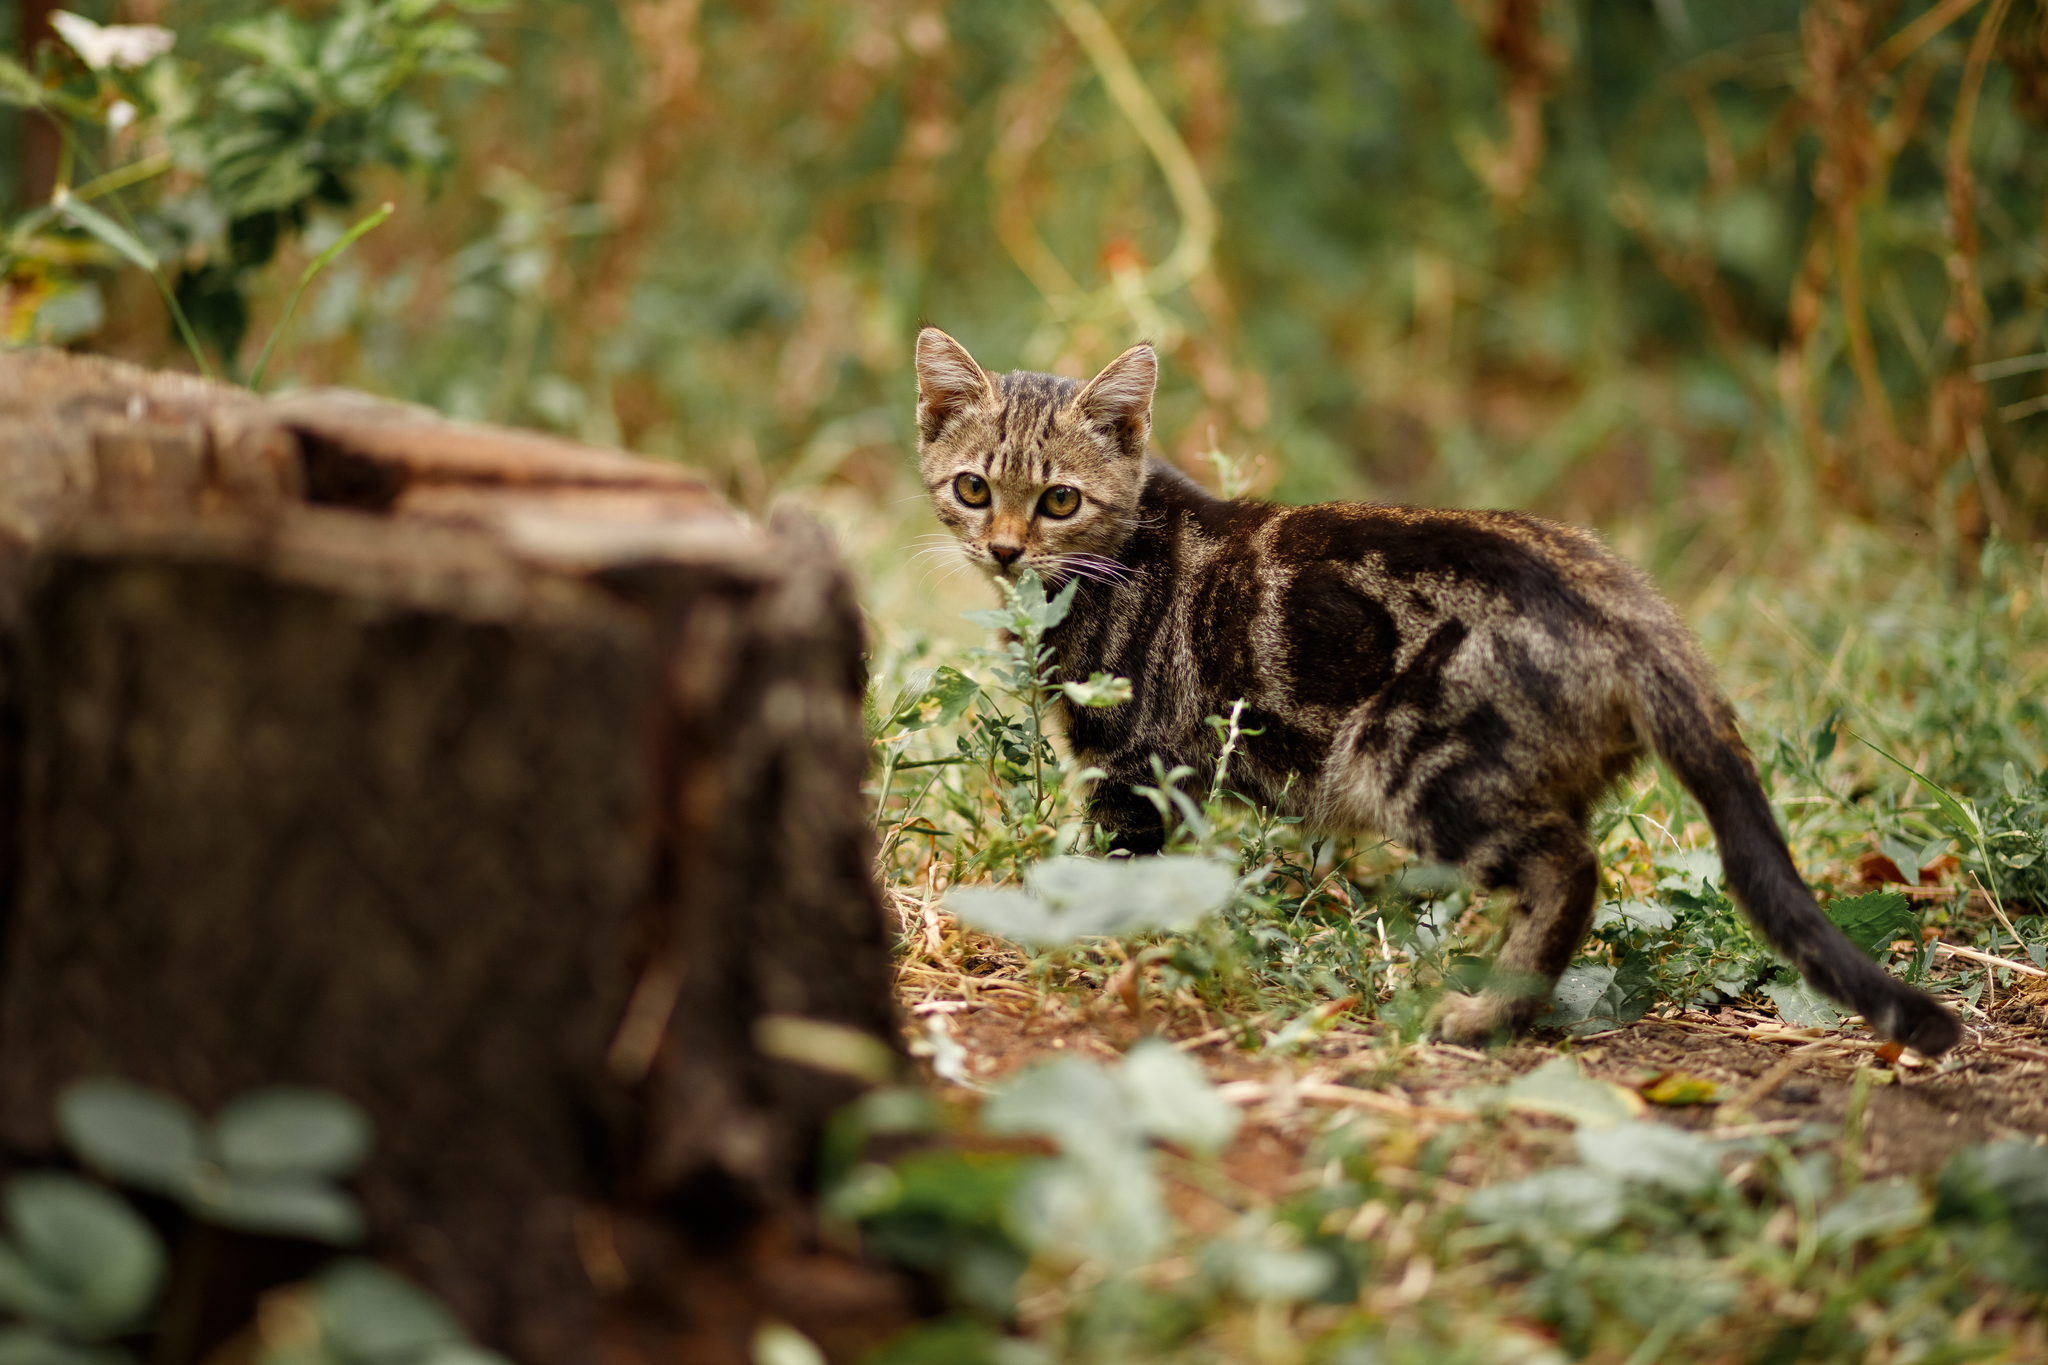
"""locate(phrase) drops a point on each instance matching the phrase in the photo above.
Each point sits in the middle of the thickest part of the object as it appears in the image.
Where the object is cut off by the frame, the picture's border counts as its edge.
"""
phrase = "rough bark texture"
(498, 784)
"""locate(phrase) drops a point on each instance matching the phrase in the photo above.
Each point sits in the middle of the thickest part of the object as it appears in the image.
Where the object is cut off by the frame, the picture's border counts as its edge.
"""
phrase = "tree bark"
(498, 784)
(40, 139)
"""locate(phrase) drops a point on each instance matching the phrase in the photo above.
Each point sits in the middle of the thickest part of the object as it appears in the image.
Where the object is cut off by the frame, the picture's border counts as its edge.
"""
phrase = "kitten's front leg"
(1133, 821)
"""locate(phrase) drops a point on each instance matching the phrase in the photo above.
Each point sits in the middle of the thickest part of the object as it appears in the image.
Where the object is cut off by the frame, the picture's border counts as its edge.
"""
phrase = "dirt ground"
(1766, 1078)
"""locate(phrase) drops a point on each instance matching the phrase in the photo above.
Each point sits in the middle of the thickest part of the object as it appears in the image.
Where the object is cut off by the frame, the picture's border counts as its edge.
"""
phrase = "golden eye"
(1060, 501)
(971, 489)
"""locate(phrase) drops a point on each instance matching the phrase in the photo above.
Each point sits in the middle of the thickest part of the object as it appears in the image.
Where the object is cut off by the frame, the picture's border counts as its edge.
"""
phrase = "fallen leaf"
(1678, 1088)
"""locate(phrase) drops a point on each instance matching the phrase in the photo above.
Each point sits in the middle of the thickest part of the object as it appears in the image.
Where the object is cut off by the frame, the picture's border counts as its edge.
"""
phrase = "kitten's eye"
(971, 489)
(1060, 501)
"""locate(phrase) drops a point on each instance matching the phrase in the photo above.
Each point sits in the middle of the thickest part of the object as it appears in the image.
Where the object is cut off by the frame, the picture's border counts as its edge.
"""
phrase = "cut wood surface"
(498, 784)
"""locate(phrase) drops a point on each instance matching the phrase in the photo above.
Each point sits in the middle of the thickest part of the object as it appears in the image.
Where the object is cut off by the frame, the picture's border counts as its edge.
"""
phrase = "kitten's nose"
(1006, 555)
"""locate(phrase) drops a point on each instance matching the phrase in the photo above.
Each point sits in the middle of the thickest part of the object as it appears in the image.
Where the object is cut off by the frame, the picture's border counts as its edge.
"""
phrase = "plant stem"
(122, 177)
(1230, 738)
(190, 338)
(891, 753)
(320, 262)
(107, 184)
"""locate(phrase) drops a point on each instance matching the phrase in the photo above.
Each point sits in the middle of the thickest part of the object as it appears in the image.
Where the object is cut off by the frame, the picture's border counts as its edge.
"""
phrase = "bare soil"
(1767, 1078)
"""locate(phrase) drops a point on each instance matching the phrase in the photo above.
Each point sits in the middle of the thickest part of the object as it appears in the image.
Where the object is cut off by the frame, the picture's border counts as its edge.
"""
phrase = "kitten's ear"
(1119, 400)
(947, 380)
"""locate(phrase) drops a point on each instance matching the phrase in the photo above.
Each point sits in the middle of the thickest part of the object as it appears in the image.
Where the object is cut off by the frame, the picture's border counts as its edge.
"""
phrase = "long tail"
(1693, 730)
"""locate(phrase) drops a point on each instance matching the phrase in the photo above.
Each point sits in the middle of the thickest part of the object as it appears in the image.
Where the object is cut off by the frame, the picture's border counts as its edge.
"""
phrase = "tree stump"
(498, 784)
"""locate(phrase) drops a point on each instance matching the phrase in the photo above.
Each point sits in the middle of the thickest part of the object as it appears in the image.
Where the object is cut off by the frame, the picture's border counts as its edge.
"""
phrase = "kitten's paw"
(1476, 1020)
(1467, 1020)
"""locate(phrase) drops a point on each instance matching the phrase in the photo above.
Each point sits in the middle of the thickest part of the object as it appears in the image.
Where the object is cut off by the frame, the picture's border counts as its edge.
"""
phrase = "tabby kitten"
(1472, 682)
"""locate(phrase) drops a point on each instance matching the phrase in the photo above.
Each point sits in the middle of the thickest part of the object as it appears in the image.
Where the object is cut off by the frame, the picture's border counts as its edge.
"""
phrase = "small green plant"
(266, 1164)
(354, 1313)
(78, 1266)
(978, 1219)
(82, 1270)
(1008, 735)
(229, 166)
(1067, 899)
(315, 104)
(1997, 1198)
(2015, 846)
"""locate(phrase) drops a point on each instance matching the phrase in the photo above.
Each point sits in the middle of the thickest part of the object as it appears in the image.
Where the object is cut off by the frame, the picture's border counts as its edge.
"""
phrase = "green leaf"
(291, 1132)
(25, 1346)
(1959, 815)
(273, 178)
(282, 1207)
(1171, 1098)
(1097, 1202)
(1263, 1272)
(1872, 1210)
(825, 1046)
(778, 1343)
(1053, 610)
(1822, 740)
(1694, 871)
(1101, 1197)
(277, 39)
(1652, 916)
(107, 230)
(1651, 1154)
(137, 1136)
(1904, 856)
(2001, 1190)
(937, 696)
(27, 1291)
(1066, 899)
(1634, 989)
(1101, 690)
(102, 1260)
(1560, 1089)
(1594, 998)
(1872, 921)
(1570, 1199)
(1802, 1007)
(375, 1317)
(955, 1340)
(2012, 781)
(460, 1353)
(1578, 996)
(18, 85)
(1072, 1100)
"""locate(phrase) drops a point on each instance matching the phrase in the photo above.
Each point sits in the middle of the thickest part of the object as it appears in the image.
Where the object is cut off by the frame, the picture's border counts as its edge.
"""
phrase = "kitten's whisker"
(1095, 568)
(961, 561)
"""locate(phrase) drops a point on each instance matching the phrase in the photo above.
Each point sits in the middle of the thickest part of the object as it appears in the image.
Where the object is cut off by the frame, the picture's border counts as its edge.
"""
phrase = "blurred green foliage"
(201, 171)
(1591, 256)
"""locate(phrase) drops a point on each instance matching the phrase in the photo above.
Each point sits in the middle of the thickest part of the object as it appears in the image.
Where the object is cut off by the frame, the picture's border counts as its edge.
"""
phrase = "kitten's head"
(1030, 470)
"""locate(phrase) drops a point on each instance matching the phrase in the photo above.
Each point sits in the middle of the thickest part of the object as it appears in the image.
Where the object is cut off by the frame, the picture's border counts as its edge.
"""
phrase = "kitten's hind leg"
(1555, 877)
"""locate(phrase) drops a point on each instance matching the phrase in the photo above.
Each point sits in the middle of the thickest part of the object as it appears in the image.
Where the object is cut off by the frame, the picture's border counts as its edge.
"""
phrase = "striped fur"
(1472, 682)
